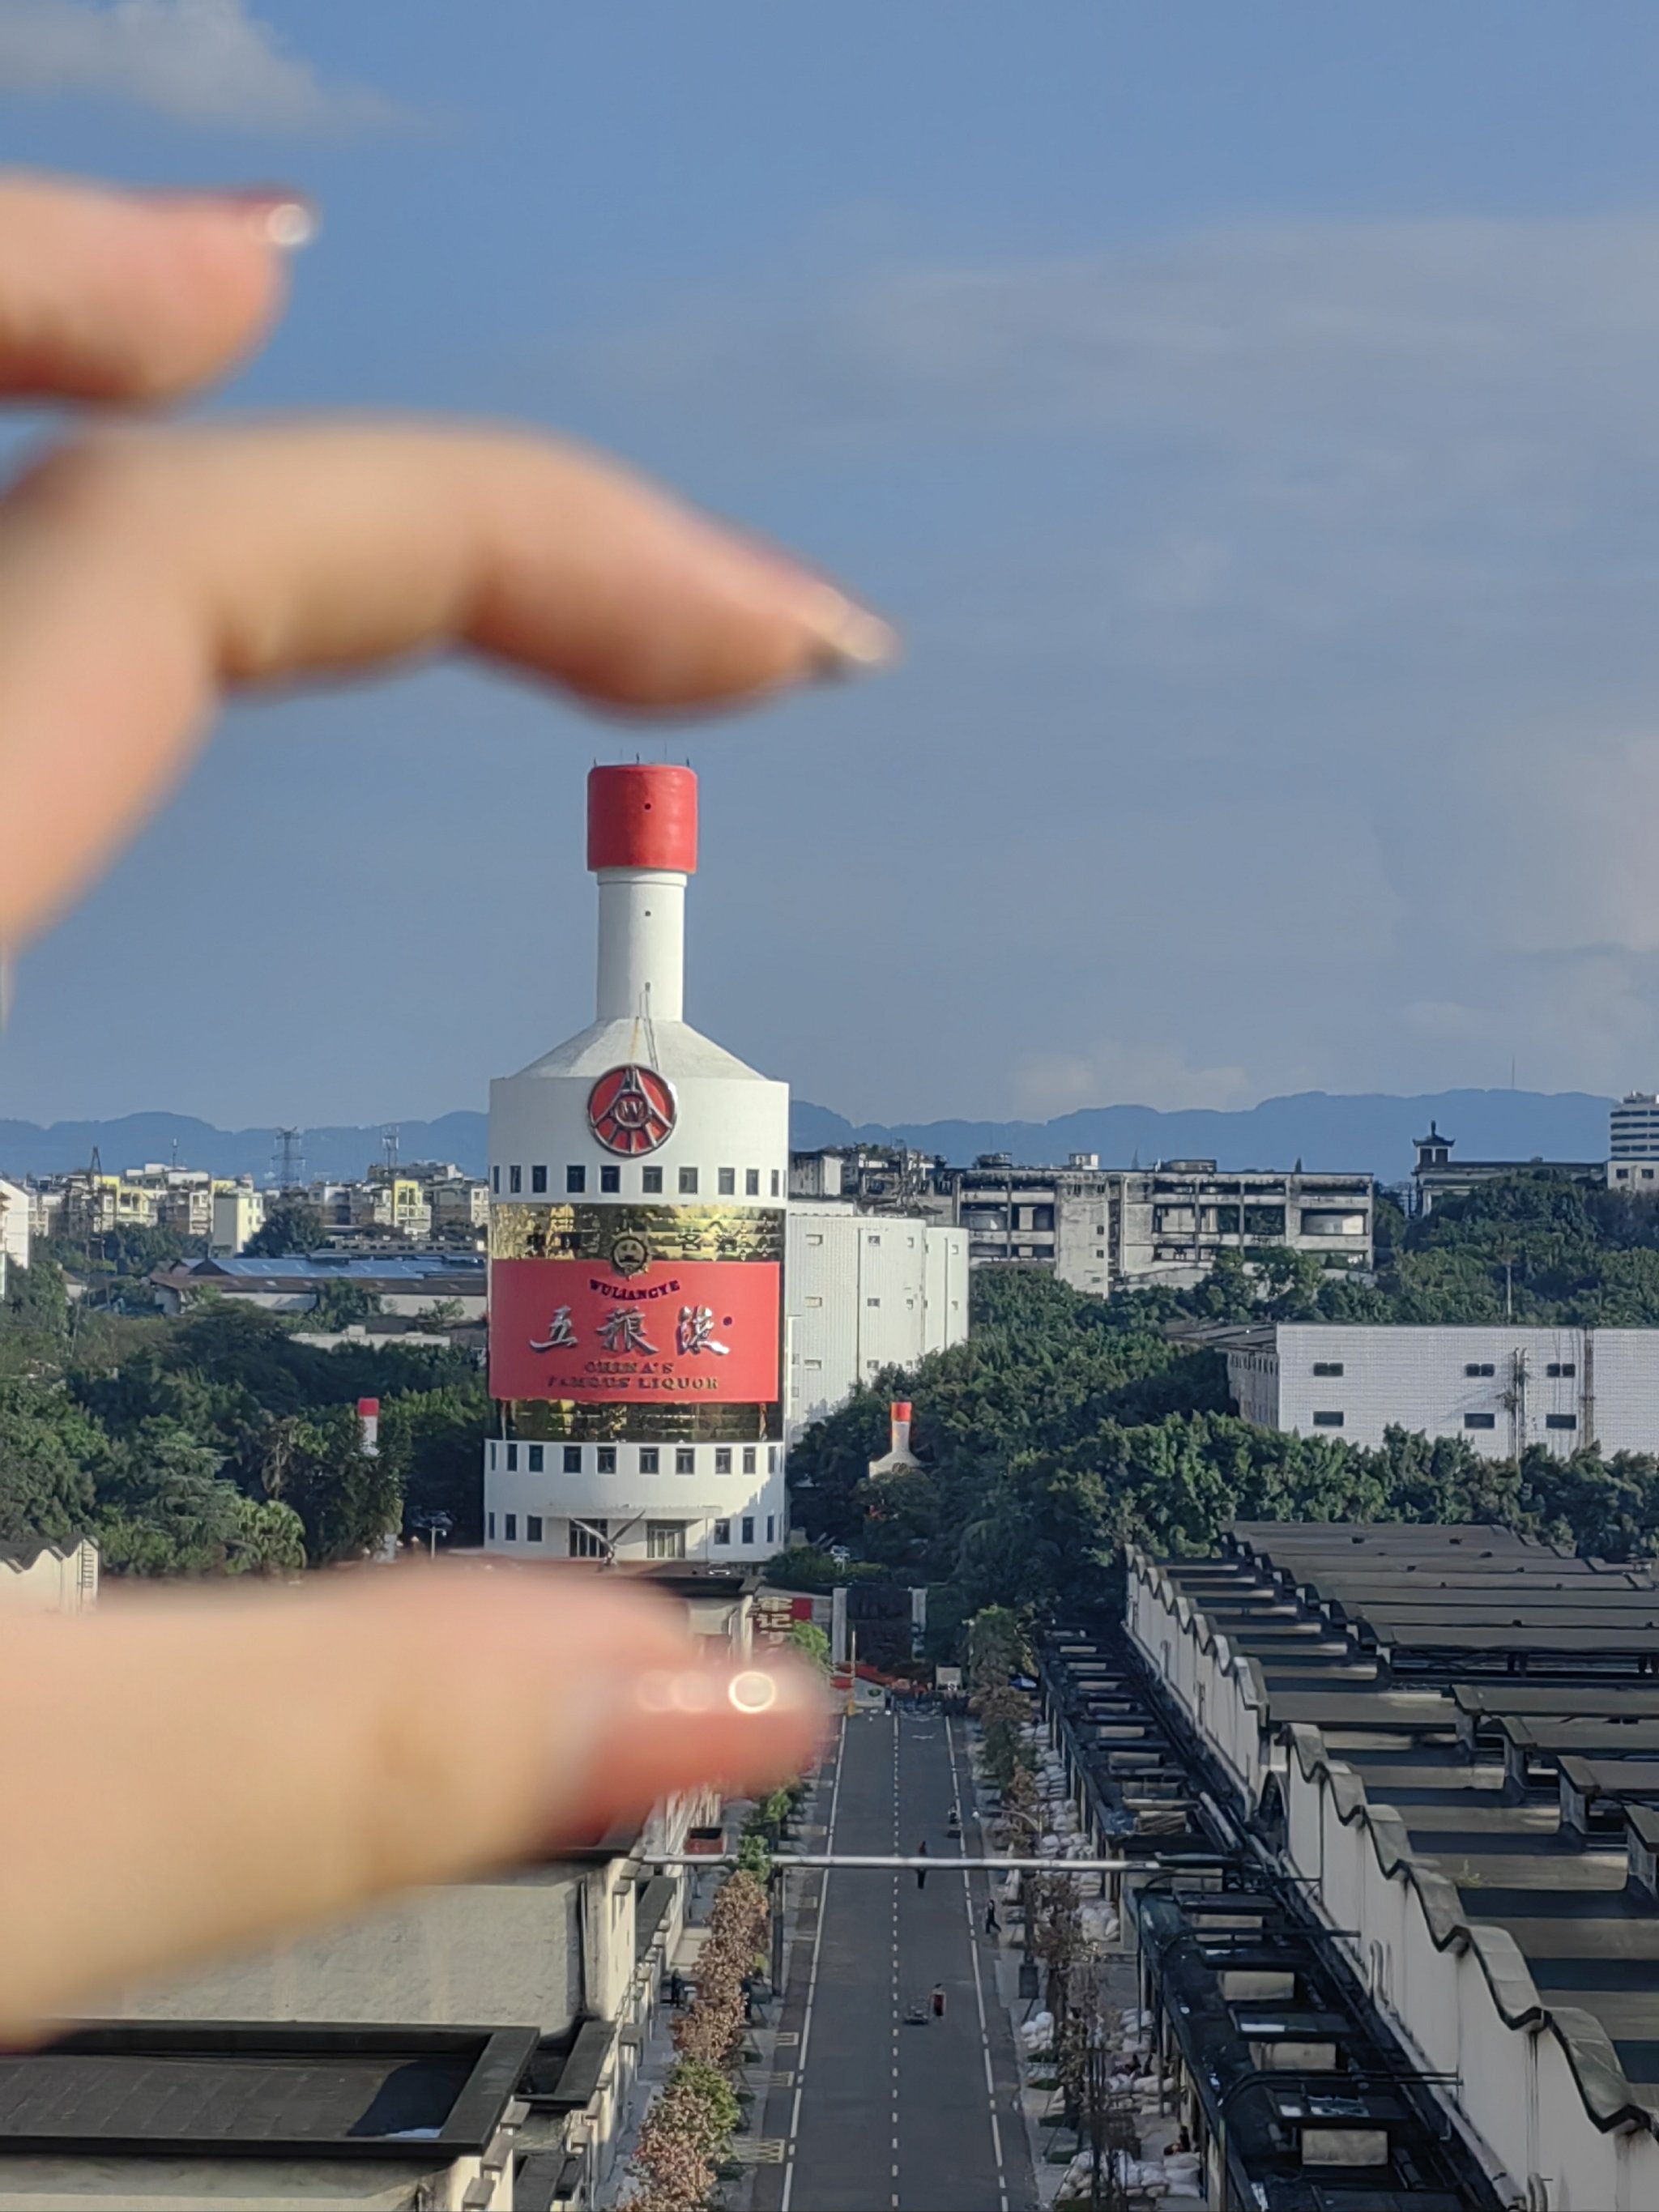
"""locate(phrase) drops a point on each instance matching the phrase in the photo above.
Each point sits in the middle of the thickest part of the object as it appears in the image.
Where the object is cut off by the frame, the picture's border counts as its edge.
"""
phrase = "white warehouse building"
(865, 1291)
(1500, 1388)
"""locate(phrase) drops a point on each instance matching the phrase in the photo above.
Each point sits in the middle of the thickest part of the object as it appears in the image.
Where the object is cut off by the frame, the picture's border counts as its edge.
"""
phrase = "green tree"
(348, 1500)
(341, 1305)
(809, 1640)
(433, 1441)
(47, 1449)
(292, 1224)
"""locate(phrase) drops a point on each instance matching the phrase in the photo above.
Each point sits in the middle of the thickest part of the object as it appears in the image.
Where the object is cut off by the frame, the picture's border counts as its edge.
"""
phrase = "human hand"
(199, 1770)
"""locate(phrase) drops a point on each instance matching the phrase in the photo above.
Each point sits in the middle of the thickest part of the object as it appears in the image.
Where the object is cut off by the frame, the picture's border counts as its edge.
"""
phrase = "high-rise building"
(638, 1179)
(1634, 1126)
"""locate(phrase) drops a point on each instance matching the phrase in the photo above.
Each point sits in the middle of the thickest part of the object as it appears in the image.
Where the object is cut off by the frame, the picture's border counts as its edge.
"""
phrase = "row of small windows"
(664, 1540)
(1556, 1369)
(1623, 1175)
(576, 1181)
(532, 1459)
(1333, 1419)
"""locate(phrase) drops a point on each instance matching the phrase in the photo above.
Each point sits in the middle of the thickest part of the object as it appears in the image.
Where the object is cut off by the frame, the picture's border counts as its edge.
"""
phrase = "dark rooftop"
(266, 2091)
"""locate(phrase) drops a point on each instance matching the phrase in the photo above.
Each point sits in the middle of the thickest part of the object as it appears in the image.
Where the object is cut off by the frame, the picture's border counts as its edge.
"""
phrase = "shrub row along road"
(873, 2112)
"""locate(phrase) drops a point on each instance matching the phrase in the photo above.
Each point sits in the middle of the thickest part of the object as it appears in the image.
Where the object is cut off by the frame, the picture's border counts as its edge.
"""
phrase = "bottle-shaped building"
(638, 1176)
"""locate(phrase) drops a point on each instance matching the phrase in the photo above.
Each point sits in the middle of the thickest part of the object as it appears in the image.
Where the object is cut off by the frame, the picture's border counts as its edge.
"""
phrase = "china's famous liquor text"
(638, 1176)
(569, 1330)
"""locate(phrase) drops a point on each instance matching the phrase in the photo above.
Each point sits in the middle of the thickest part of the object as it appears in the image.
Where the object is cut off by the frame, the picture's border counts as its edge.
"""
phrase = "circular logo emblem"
(630, 1255)
(631, 1110)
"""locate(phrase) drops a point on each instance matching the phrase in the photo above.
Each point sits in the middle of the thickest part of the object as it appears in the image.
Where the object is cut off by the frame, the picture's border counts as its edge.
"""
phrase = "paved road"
(874, 2113)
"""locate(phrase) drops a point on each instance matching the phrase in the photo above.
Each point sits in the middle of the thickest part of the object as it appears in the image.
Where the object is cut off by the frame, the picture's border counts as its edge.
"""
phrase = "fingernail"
(282, 217)
(849, 640)
(649, 1735)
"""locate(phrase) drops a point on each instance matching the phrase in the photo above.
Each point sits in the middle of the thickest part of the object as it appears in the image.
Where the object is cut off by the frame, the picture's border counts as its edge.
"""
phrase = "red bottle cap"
(642, 817)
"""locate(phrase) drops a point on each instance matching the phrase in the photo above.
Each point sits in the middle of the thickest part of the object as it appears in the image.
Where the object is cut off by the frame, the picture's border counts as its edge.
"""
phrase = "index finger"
(119, 295)
(203, 1771)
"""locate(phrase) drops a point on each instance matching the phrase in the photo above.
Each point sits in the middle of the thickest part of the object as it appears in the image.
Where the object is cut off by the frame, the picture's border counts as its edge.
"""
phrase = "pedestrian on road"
(992, 1924)
(939, 2000)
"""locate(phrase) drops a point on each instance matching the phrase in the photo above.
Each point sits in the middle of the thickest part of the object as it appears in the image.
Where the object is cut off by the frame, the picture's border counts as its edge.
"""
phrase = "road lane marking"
(812, 1991)
(979, 1986)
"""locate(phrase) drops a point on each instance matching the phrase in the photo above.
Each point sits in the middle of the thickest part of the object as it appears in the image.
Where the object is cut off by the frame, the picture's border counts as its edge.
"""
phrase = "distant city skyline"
(1245, 414)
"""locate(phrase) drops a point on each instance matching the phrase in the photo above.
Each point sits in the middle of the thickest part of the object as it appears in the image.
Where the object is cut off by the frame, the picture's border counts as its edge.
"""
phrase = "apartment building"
(14, 1229)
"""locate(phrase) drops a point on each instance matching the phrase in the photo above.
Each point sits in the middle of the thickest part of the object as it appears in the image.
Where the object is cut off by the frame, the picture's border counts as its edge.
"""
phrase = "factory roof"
(272, 2091)
(1496, 1866)
(305, 1269)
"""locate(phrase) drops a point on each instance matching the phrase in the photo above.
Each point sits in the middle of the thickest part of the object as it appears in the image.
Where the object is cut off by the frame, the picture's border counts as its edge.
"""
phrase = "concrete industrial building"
(1439, 1742)
(866, 1292)
(638, 1178)
(409, 1284)
(1500, 1388)
(41, 1578)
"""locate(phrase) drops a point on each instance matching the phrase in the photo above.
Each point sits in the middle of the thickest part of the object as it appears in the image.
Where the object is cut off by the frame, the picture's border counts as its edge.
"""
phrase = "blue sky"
(1250, 414)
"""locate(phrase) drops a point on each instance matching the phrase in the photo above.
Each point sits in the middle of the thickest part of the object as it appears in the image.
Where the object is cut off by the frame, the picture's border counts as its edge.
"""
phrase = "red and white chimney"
(643, 845)
(898, 1428)
(369, 1426)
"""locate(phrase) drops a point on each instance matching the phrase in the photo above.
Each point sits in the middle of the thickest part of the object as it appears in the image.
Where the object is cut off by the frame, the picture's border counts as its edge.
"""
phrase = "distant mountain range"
(1369, 1131)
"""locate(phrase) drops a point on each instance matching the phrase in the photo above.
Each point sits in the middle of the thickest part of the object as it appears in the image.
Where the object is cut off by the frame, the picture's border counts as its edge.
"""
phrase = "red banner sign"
(685, 1330)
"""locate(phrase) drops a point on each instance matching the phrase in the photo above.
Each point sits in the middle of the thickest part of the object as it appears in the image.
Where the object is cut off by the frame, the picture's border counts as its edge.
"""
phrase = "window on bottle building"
(513, 1459)
(723, 1459)
(748, 1528)
(771, 1525)
(489, 1527)
(495, 1180)
(611, 1179)
(665, 1540)
(576, 1180)
(537, 1181)
(748, 1459)
(537, 1454)
(1479, 1420)
(648, 1459)
(532, 1527)
(722, 1532)
(572, 1459)
(688, 1182)
(1560, 1420)
(752, 1183)
(685, 1460)
(774, 1182)
(727, 1179)
(604, 1460)
(512, 1531)
(650, 1181)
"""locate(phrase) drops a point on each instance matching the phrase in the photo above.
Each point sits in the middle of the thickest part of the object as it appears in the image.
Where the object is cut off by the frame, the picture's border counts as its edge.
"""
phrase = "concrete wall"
(52, 1582)
(1417, 1379)
(864, 1291)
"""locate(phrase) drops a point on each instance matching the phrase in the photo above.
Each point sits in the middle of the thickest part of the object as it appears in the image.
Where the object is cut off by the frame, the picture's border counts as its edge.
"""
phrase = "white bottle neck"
(641, 965)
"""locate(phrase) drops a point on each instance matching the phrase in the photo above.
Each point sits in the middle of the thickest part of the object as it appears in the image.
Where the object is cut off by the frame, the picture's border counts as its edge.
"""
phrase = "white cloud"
(203, 61)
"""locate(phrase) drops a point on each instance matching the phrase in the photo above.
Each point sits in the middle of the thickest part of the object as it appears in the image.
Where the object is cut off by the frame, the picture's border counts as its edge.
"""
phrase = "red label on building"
(575, 1328)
